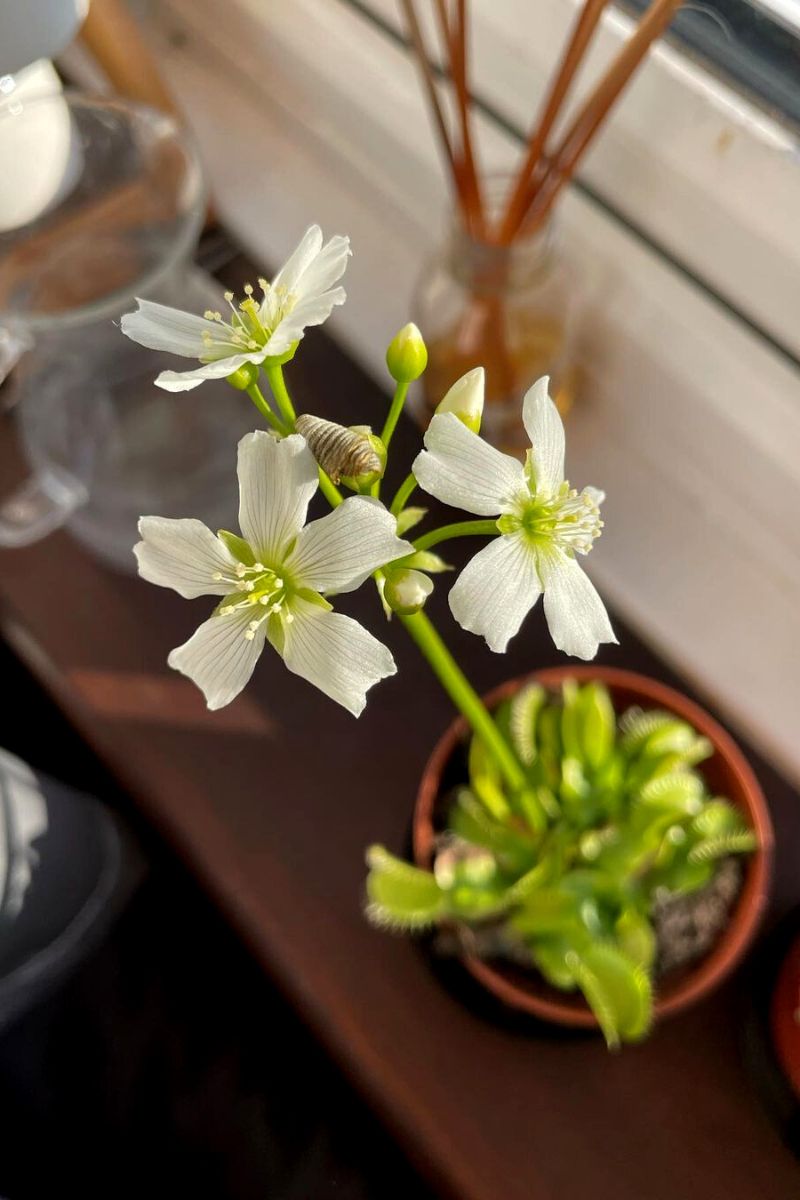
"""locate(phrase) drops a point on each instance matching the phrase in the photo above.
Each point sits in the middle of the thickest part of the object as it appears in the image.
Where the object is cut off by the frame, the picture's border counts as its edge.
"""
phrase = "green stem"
(459, 529)
(464, 696)
(254, 392)
(329, 489)
(396, 407)
(403, 495)
(282, 398)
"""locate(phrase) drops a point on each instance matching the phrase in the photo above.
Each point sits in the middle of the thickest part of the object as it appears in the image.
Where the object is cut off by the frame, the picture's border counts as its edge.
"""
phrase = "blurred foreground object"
(66, 870)
(108, 208)
(34, 29)
(114, 38)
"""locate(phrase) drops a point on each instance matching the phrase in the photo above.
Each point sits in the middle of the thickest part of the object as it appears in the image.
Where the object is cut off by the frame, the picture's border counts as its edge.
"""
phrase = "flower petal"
(496, 590)
(184, 555)
(338, 552)
(576, 616)
(184, 381)
(544, 427)
(219, 658)
(336, 654)
(312, 311)
(459, 468)
(299, 260)
(162, 328)
(328, 266)
(276, 482)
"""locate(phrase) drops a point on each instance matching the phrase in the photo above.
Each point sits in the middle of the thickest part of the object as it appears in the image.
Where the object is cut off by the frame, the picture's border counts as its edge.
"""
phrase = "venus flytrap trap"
(565, 817)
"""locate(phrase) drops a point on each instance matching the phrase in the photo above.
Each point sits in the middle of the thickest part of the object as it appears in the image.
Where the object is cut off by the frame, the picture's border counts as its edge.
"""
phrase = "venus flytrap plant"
(565, 817)
(629, 824)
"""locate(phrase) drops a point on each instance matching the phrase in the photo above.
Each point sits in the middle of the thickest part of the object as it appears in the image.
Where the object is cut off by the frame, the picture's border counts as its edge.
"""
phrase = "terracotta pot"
(727, 774)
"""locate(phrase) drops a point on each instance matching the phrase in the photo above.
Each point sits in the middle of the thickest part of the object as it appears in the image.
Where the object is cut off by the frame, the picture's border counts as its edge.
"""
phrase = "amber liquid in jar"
(510, 309)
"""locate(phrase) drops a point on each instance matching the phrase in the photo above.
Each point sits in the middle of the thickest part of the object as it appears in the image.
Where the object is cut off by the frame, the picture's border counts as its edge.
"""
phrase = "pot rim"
(708, 973)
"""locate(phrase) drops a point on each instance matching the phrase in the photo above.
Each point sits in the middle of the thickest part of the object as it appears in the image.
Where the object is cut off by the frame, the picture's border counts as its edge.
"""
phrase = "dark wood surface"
(272, 803)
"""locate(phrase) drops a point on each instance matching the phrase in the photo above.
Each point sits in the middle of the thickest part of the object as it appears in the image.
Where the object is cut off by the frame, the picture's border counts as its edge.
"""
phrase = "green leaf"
(636, 937)
(486, 781)
(717, 816)
(617, 990)
(401, 897)
(570, 720)
(524, 710)
(637, 725)
(238, 547)
(682, 877)
(724, 844)
(408, 518)
(596, 724)
(678, 791)
(574, 784)
(550, 957)
(674, 738)
(547, 911)
(514, 848)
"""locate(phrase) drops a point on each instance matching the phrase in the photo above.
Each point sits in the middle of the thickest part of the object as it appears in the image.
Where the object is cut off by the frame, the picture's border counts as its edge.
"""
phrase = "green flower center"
(567, 519)
(251, 324)
(265, 591)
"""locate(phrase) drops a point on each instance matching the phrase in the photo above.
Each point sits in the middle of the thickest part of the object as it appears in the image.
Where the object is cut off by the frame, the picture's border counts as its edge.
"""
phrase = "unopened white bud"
(406, 591)
(465, 399)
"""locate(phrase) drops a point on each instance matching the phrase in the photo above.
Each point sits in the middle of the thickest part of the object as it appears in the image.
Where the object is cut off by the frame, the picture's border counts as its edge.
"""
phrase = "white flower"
(543, 524)
(273, 578)
(301, 294)
(465, 399)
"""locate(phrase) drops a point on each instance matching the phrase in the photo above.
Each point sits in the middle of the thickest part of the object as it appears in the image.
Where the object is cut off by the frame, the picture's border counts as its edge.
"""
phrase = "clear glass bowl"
(101, 202)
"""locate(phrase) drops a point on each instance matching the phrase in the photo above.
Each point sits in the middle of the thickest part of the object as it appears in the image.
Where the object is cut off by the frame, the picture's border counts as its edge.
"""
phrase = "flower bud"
(407, 356)
(244, 377)
(406, 591)
(357, 482)
(465, 399)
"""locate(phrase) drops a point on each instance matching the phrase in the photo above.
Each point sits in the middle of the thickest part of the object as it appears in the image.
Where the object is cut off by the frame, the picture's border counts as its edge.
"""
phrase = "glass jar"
(106, 206)
(511, 309)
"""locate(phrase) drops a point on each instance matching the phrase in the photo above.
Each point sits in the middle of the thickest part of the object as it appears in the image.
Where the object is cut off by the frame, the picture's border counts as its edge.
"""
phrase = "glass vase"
(105, 206)
(511, 309)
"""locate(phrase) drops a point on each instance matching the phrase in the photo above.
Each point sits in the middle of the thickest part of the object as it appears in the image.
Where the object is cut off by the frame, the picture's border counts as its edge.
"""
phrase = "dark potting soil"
(687, 927)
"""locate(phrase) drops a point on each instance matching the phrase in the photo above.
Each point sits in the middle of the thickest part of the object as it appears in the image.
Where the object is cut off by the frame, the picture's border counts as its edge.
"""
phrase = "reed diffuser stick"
(571, 60)
(595, 109)
(429, 86)
(458, 59)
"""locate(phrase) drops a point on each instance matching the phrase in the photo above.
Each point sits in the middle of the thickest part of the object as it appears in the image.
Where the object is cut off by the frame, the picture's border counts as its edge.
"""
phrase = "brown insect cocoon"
(339, 451)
